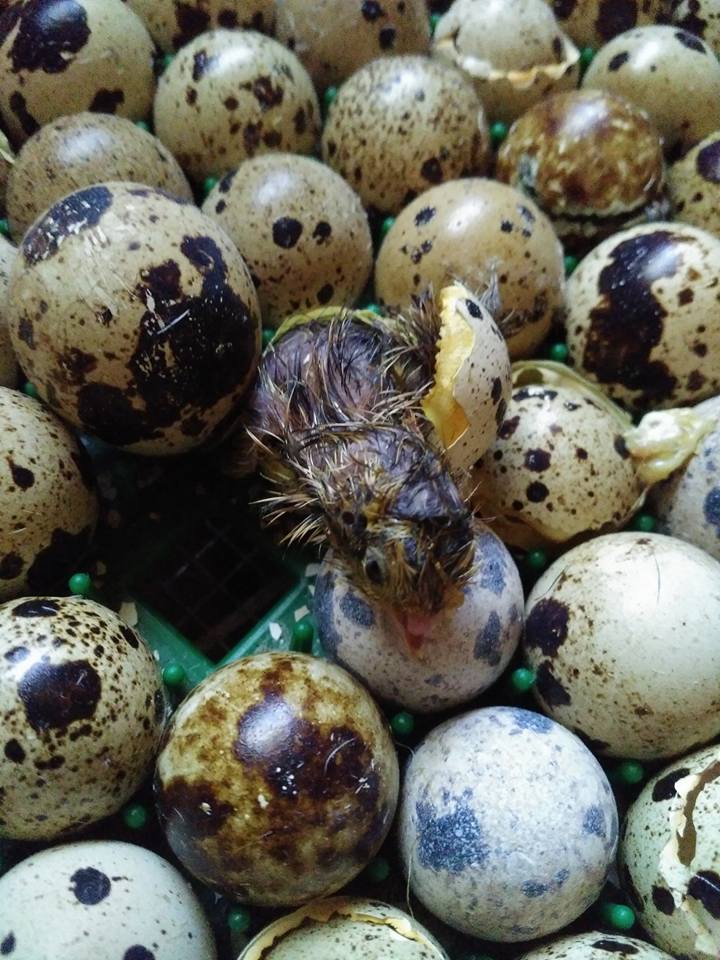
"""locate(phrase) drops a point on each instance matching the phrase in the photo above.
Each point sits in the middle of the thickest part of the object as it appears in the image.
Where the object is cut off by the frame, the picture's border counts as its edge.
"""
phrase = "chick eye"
(357, 521)
(373, 571)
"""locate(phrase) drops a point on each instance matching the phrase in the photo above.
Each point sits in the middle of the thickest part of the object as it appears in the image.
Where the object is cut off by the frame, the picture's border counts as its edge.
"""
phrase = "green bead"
(80, 584)
(167, 60)
(498, 133)
(374, 308)
(174, 675)
(402, 724)
(209, 184)
(143, 125)
(238, 919)
(267, 335)
(643, 523)
(630, 772)
(536, 560)
(135, 816)
(378, 870)
(4, 227)
(329, 97)
(618, 916)
(302, 636)
(435, 19)
(30, 390)
(558, 352)
(587, 55)
(522, 680)
(386, 225)
(570, 265)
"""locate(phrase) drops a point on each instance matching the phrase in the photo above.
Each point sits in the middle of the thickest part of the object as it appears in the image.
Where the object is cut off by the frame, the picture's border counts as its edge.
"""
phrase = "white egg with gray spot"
(508, 825)
(464, 651)
(596, 946)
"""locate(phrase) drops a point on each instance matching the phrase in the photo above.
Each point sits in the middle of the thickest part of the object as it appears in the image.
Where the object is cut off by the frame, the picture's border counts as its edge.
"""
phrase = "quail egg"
(596, 946)
(301, 229)
(513, 50)
(49, 507)
(474, 230)
(174, 23)
(639, 316)
(81, 150)
(83, 711)
(508, 825)
(318, 33)
(559, 468)
(8, 364)
(594, 22)
(341, 926)
(401, 125)
(278, 779)
(231, 94)
(100, 899)
(670, 858)
(667, 72)
(152, 347)
(701, 17)
(465, 650)
(694, 184)
(655, 696)
(59, 57)
(546, 156)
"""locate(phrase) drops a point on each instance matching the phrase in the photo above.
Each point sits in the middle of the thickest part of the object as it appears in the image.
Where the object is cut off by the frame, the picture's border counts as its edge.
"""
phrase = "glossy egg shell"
(592, 23)
(694, 184)
(278, 780)
(507, 824)
(174, 23)
(596, 945)
(651, 698)
(117, 899)
(151, 349)
(8, 363)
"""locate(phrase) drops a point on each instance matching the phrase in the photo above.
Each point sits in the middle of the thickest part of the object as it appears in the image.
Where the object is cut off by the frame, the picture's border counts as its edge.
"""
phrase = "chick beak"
(415, 626)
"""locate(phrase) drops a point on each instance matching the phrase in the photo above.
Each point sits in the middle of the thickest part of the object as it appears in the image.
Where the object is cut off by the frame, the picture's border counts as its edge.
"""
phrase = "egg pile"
(197, 197)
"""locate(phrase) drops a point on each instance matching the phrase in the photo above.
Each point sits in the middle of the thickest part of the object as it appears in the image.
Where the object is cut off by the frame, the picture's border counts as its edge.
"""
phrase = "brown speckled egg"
(231, 94)
(593, 22)
(278, 779)
(8, 363)
(173, 23)
(318, 33)
(513, 50)
(596, 946)
(470, 230)
(59, 57)
(135, 317)
(83, 711)
(694, 184)
(301, 229)
(669, 73)
(400, 125)
(640, 311)
(670, 856)
(701, 17)
(546, 156)
(559, 468)
(48, 507)
(80, 150)
(621, 632)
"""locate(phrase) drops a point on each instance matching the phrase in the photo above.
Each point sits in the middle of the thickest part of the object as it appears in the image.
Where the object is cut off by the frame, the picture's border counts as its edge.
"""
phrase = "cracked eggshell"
(694, 184)
(59, 57)
(592, 23)
(174, 23)
(327, 929)
(80, 150)
(401, 125)
(231, 94)
(640, 310)
(513, 51)
(152, 347)
(471, 231)
(117, 899)
(278, 779)
(666, 72)
(464, 652)
(597, 945)
(301, 230)
(508, 825)
(7, 159)
(670, 858)
(83, 710)
(653, 697)
(8, 363)
(48, 505)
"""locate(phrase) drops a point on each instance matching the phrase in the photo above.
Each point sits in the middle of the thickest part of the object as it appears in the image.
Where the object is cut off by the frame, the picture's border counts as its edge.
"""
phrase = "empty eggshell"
(694, 184)
(596, 946)
(8, 363)
(174, 23)
(594, 22)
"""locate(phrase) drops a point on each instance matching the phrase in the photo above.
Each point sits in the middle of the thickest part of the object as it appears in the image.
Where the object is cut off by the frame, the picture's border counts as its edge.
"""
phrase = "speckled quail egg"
(231, 94)
(507, 824)
(594, 22)
(174, 23)
(83, 712)
(546, 156)
(596, 946)
(301, 229)
(465, 650)
(649, 698)
(341, 926)
(101, 899)
(701, 17)
(400, 125)
(473, 230)
(559, 468)
(667, 72)
(670, 857)
(8, 364)
(640, 310)
(81, 150)
(278, 779)
(694, 184)
(135, 317)
(59, 57)
(318, 33)
(513, 50)
(49, 507)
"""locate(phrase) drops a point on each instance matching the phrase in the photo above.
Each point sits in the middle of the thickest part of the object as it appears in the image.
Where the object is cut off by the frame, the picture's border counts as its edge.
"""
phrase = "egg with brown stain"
(592, 23)
(174, 23)
(278, 780)
(694, 184)
(8, 363)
